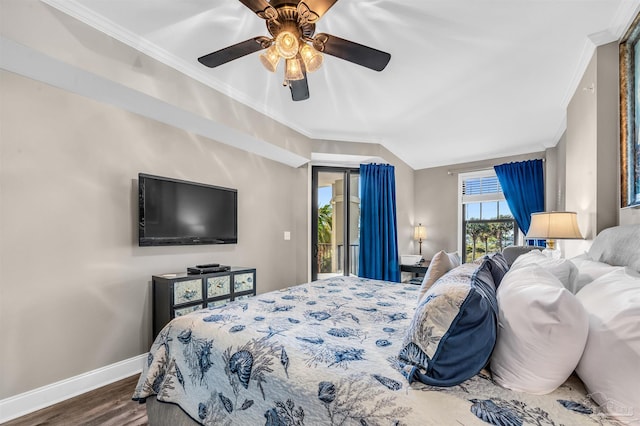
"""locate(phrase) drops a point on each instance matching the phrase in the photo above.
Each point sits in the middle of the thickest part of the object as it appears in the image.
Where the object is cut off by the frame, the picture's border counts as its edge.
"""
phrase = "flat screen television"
(177, 212)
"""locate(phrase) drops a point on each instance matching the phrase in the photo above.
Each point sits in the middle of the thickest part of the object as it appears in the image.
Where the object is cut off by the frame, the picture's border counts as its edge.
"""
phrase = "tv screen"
(176, 212)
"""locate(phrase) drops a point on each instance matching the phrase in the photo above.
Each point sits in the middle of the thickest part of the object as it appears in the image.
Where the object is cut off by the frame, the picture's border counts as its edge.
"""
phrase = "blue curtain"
(378, 230)
(523, 187)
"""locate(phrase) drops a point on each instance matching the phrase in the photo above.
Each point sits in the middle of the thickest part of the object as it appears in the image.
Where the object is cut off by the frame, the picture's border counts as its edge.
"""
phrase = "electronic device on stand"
(207, 269)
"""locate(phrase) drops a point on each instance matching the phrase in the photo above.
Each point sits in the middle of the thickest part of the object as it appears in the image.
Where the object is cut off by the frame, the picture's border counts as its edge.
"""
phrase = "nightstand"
(419, 270)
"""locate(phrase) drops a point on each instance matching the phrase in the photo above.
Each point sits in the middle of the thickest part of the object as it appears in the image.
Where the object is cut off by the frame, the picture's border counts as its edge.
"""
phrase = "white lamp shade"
(419, 233)
(554, 225)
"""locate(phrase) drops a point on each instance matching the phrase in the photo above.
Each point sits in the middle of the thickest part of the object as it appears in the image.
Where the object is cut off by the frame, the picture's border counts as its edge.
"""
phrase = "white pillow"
(542, 330)
(610, 364)
(589, 270)
(563, 269)
(441, 263)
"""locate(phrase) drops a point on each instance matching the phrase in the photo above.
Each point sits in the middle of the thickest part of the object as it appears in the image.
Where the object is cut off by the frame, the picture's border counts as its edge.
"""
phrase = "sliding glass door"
(335, 219)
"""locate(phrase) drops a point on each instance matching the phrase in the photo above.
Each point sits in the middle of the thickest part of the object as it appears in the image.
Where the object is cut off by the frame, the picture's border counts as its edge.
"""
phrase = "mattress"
(324, 353)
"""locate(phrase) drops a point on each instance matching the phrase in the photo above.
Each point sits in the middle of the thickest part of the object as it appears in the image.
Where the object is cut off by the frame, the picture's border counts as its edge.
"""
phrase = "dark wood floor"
(107, 406)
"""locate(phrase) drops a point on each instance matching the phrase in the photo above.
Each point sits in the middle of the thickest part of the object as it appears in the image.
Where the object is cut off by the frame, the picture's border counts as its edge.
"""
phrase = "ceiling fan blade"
(312, 10)
(262, 8)
(299, 89)
(235, 51)
(350, 51)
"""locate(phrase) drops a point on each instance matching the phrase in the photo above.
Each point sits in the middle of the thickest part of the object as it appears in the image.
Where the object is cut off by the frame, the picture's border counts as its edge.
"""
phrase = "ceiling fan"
(292, 24)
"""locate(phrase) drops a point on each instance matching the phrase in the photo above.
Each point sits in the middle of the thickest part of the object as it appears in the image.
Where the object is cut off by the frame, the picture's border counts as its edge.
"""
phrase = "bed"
(325, 353)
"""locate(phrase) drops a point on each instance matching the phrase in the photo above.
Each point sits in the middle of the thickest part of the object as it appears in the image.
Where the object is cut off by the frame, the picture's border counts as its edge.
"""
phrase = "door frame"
(346, 191)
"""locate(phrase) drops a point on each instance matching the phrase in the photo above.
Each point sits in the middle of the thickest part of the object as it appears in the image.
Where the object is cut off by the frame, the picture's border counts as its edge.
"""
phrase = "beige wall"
(582, 170)
(68, 167)
(592, 171)
(555, 176)
(561, 172)
(75, 43)
(69, 200)
(629, 216)
(551, 189)
(404, 184)
(75, 285)
(66, 161)
(436, 201)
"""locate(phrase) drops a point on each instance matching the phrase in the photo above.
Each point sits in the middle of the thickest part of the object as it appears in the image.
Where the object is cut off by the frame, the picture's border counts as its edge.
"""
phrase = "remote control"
(208, 265)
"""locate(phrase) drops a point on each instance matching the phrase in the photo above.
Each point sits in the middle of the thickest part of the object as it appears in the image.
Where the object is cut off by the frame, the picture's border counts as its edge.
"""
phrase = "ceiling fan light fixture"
(287, 44)
(293, 70)
(291, 25)
(311, 57)
(270, 58)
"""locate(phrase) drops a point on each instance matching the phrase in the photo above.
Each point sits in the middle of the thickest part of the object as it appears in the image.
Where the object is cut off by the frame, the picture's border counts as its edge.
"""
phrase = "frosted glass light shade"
(270, 58)
(311, 57)
(293, 70)
(287, 44)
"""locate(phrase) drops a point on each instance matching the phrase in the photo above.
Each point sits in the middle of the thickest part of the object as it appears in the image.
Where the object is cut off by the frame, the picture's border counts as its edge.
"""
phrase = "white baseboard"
(36, 399)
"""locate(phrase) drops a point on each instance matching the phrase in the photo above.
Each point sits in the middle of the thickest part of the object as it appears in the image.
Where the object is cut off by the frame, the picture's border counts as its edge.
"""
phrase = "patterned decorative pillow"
(453, 330)
(441, 263)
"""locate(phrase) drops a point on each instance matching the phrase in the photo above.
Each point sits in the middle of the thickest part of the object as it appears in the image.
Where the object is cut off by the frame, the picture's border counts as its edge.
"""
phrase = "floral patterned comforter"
(325, 353)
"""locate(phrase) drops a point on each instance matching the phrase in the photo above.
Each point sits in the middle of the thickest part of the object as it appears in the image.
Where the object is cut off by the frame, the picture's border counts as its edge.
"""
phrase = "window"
(487, 224)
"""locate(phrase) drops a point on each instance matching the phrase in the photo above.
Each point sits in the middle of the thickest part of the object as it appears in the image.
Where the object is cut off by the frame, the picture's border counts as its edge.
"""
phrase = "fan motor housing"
(288, 20)
(280, 3)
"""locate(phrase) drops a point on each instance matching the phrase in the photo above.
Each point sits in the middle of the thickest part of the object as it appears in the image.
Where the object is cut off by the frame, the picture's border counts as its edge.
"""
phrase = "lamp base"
(554, 254)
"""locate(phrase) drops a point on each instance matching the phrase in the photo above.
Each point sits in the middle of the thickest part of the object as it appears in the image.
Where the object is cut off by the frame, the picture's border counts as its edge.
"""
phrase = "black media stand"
(181, 293)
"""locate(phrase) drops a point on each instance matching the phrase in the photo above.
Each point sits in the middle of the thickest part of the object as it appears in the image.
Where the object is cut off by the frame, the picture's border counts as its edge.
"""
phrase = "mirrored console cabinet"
(181, 293)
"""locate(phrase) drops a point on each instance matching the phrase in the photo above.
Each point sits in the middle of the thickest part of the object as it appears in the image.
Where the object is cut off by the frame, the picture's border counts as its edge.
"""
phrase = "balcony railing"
(326, 263)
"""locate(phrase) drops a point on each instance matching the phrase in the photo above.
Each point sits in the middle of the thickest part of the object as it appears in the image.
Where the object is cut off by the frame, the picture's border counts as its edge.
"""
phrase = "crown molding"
(82, 13)
(622, 18)
(617, 28)
(625, 14)
(30, 63)
(588, 48)
(86, 15)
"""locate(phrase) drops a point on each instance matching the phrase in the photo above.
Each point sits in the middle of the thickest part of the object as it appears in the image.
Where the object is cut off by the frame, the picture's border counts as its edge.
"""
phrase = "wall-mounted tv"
(177, 212)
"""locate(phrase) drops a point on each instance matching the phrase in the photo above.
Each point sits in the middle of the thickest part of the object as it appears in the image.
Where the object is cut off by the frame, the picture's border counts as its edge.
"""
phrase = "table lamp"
(552, 226)
(420, 233)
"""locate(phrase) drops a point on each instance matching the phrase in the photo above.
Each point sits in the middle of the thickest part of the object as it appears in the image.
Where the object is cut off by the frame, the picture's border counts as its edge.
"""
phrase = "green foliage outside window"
(482, 237)
(325, 223)
(325, 226)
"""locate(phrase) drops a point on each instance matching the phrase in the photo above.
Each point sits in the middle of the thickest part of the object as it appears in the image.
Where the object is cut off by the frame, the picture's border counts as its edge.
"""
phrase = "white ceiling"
(468, 79)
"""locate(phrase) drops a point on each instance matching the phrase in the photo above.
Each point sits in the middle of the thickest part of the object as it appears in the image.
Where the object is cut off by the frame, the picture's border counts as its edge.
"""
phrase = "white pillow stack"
(610, 364)
(441, 263)
(589, 270)
(563, 269)
(542, 331)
